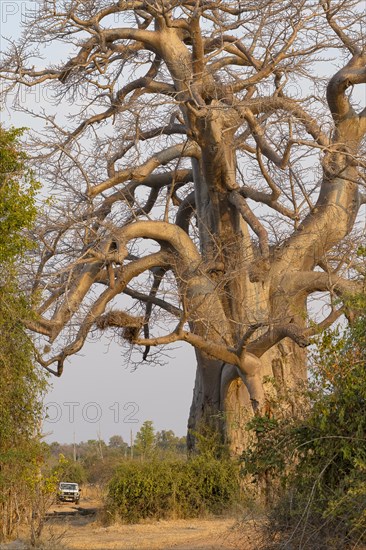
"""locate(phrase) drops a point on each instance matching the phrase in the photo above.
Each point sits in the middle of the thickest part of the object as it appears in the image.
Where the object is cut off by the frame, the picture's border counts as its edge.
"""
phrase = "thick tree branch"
(353, 73)
(315, 281)
(141, 172)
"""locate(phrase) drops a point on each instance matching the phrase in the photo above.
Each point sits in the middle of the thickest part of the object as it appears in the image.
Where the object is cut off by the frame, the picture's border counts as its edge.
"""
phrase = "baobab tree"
(206, 181)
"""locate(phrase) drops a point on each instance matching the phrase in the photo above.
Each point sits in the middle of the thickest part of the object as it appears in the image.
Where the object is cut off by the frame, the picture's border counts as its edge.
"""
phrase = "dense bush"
(317, 463)
(173, 488)
(330, 477)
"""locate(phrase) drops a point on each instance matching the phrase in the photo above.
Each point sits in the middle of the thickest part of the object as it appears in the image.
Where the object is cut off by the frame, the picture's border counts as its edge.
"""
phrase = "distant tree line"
(94, 461)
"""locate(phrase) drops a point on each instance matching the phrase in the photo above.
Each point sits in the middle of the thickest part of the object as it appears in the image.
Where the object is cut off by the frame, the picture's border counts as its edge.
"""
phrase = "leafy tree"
(116, 442)
(21, 382)
(117, 447)
(144, 443)
(166, 440)
(170, 445)
(212, 132)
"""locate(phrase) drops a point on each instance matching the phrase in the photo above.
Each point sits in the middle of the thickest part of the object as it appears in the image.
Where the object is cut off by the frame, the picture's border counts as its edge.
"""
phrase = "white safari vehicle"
(68, 492)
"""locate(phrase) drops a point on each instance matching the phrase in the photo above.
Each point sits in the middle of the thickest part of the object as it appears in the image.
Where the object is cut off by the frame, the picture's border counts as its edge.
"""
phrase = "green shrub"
(141, 490)
(317, 462)
(172, 488)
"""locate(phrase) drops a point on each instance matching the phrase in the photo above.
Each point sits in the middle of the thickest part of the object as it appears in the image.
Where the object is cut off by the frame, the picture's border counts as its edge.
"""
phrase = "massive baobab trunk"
(208, 130)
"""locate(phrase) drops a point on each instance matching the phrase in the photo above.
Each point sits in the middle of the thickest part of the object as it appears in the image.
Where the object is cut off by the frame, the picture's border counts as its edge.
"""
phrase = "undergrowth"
(313, 466)
(176, 488)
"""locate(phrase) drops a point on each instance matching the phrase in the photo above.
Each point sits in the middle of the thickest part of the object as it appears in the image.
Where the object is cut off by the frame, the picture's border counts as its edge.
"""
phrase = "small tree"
(145, 440)
(116, 442)
(166, 440)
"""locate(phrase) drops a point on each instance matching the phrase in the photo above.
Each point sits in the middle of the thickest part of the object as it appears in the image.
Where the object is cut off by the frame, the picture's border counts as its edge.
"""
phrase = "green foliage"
(172, 488)
(69, 470)
(331, 443)
(116, 442)
(209, 442)
(142, 489)
(101, 471)
(21, 383)
(168, 444)
(320, 458)
(265, 455)
(17, 194)
(166, 485)
(145, 440)
(210, 485)
(99, 461)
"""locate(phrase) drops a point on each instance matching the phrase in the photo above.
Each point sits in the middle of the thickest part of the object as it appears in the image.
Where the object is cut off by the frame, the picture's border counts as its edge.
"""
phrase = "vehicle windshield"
(69, 486)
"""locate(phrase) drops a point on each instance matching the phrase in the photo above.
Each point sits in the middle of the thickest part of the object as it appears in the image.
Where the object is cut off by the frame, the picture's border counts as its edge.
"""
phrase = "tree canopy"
(17, 194)
(206, 179)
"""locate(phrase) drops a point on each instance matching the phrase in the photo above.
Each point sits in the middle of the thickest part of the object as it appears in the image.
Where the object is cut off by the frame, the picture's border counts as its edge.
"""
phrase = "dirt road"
(83, 530)
(71, 527)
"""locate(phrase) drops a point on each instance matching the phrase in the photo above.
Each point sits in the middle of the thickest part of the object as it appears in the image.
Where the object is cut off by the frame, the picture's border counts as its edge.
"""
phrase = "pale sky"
(98, 395)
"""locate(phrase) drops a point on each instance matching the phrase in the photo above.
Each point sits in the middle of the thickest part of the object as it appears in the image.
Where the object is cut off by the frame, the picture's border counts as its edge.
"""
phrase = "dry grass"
(82, 532)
